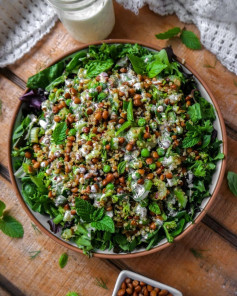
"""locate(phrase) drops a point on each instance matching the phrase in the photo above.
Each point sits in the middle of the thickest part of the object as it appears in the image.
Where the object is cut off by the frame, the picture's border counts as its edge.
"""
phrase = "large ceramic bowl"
(41, 221)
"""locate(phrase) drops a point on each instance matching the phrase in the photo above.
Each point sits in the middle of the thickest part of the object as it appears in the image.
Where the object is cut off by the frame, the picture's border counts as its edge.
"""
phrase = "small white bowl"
(135, 276)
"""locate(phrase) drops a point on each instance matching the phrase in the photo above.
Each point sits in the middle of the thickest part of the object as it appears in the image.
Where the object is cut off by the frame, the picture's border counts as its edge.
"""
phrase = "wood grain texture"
(42, 275)
(212, 271)
(142, 27)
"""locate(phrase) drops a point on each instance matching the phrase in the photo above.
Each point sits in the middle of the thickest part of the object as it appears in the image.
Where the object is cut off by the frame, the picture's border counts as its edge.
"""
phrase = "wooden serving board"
(202, 263)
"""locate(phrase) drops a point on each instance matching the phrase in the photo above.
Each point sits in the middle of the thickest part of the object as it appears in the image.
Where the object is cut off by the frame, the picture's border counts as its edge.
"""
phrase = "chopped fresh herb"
(197, 253)
(63, 260)
(101, 283)
(72, 294)
(187, 37)
(232, 182)
(207, 65)
(34, 254)
(36, 229)
(121, 167)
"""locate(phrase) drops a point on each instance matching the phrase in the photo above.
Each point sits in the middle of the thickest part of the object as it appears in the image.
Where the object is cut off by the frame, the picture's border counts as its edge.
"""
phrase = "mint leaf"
(11, 227)
(63, 260)
(59, 133)
(153, 207)
(121, 167)
(106, 224)
(194, 112)
(84, 209)
(98, 214)
(206, 141)
(168, 34)
(190, 40)
(190, 142)
(72, 294)
(96, 67)
(155, 68)
(137, 63)
(2, 207)
(219, 156)
(232, 182)
(130, 111)
(207, 109)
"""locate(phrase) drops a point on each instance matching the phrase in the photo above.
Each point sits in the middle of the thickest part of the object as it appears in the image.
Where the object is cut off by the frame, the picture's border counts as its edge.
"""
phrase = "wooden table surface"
(202, 263)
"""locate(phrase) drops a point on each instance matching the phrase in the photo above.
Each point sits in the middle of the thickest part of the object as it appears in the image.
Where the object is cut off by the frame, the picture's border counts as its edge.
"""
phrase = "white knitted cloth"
(215, 19)
(24, 22)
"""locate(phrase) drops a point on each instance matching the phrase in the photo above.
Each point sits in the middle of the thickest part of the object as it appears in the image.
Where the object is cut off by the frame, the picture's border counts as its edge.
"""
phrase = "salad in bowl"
(114, 149)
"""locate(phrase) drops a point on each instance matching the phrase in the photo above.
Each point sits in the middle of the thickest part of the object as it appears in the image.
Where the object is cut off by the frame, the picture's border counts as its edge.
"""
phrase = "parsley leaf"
(232, 182)
(2, 207)
(11, 227)
(169, 34)
(137, 63)
(121, 167)
(190, 40)
(105, 224)
(59, 133)
(63, 260)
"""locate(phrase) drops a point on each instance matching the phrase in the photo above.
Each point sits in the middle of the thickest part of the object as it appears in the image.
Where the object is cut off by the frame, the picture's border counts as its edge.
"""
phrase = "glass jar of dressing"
(86, 20)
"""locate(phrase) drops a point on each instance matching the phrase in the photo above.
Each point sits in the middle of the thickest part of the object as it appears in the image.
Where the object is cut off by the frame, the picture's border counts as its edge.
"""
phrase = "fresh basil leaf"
(96, 67)
(11, 227)
(59, 133)
(168, 34)
(2, 207)
(138, 64)
(154, 208)
(130, 116)
(46, 76)
(194, 112)
(121, 167)
(84, 209)
(75, 61)
(190, 40)
(105, 224)
(190, 142)
(232, 182)
(124, 126)
(63, 260)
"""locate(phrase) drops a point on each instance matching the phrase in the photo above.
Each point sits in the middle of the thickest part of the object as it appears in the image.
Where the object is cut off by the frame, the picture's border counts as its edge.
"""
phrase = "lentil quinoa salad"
(117, 146)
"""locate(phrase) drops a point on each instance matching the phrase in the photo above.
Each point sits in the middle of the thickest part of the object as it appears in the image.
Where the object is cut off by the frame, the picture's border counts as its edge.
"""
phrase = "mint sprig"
(9, 225)
(188, 38)
(59, 133)
(97, 217)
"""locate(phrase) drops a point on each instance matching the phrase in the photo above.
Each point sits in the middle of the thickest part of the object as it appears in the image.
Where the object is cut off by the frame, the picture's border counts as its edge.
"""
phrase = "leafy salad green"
(117, 146)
